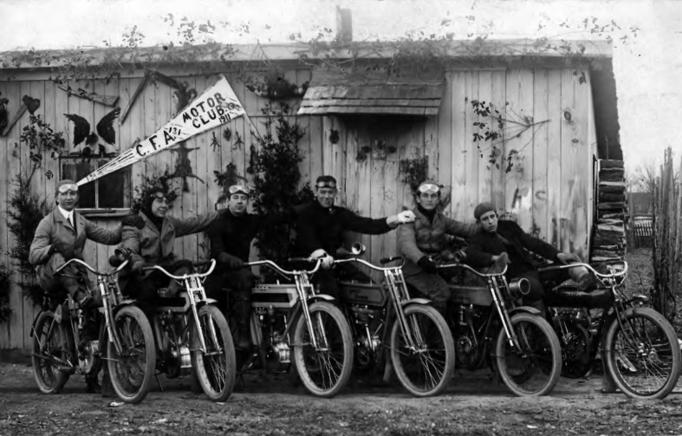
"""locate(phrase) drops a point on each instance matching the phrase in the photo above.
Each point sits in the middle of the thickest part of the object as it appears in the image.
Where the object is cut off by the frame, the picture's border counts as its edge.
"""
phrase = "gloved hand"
(137, 266)
(133, 220)
(427, 264)
(404, 217)
(566, 258)
(320, 253)
(57, 247)
(501, 260)
(230, 261)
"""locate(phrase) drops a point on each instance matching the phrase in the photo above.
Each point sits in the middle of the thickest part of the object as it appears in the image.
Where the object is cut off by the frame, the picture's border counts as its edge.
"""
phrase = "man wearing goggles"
(427, 240)
(61, 236)
(320, 228)
(231, 235)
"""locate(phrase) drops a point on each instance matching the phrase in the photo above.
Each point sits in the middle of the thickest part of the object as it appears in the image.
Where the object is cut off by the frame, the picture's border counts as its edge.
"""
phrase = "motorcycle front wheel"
(533, 367)
(426, 367)
(132, 368)
(324, 370)
(643, 354)
(216, 368)
(51, 354)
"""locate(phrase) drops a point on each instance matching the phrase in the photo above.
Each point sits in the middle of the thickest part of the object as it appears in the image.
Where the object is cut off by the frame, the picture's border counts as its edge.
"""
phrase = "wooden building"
(557, 103)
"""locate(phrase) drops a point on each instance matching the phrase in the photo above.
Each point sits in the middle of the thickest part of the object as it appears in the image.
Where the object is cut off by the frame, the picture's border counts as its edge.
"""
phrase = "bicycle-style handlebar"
(371, 265)
(283, 271)
(184, 276)
(478, 273)
(91, 269)
(611, 274)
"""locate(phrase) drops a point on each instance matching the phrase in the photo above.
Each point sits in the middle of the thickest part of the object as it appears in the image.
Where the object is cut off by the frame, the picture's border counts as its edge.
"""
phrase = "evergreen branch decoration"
(276, 177)
(24, 213)
(5, 309)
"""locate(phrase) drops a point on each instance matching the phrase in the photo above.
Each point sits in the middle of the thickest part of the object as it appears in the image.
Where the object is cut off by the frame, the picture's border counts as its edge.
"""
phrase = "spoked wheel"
(426, 368)
(132, 367)
(534, 367)
(52, 354)
(216, 368)
(324, 370)
(642, 354)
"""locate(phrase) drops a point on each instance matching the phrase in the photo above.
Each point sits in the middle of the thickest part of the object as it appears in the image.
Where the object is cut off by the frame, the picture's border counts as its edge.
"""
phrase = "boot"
(242, 314)
(92, 385)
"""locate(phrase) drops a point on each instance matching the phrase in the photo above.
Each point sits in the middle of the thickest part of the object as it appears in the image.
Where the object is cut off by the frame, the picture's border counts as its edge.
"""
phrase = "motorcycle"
(192, 335)
(125, 341)
(386, 321)
(639, 347)
(490, 328)
(292, 321)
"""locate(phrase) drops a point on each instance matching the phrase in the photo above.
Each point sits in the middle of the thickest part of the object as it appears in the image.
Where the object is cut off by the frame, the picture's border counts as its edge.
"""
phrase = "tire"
(325, 371)
(132, 370)
(428, 369)
(216, 369)
(642, 354)
(50, 344)
(534, 368)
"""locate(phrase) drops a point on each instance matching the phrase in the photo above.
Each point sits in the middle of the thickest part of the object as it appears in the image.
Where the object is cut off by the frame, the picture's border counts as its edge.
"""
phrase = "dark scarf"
(427, 213)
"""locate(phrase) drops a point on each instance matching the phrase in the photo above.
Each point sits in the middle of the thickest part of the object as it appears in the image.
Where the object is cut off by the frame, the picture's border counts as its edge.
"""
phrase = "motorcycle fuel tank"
(362, 293)
(278, 296)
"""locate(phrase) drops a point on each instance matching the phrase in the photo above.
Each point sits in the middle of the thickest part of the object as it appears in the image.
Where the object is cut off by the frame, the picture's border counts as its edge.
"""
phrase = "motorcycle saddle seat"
(567, 295)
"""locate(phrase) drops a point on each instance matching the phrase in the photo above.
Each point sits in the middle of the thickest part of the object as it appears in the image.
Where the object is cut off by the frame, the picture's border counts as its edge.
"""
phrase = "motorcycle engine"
(366, 325)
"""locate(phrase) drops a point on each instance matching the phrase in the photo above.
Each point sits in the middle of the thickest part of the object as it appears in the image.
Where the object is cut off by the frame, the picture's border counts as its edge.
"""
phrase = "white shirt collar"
(65, 213)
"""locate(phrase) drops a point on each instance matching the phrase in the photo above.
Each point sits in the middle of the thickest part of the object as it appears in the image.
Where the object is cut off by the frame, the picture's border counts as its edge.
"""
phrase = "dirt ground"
(474, 403)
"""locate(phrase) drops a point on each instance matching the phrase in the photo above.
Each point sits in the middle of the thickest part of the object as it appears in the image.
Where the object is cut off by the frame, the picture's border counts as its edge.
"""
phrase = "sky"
(647, 38)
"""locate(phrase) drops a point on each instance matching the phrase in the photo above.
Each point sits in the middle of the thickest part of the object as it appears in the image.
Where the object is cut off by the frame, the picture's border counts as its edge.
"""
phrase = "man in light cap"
(61, 236)
(231, 236)
(320, 228)
(426, 241)
(504, 242)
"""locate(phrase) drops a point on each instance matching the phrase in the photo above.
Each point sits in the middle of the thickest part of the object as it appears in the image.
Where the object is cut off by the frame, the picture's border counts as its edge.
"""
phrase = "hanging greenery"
(414, 171)
(154, 183)
(274, 165)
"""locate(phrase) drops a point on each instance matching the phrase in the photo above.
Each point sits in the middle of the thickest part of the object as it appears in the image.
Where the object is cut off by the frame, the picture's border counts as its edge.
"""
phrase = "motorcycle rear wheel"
(533, 369)
(427, 369)
(216, 369)
(643, 354)
(52, 344)
(324, 370)
(132, 370)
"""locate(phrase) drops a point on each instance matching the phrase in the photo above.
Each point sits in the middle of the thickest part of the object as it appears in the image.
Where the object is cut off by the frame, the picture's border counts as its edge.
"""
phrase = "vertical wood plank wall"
(549, 190)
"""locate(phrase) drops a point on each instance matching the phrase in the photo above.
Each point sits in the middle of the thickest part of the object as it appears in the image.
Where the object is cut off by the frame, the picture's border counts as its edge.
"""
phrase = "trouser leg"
(433, 287)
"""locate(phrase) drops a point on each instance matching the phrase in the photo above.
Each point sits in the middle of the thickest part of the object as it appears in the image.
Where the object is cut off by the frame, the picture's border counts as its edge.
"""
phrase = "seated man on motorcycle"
(504, 242)
(151, 241)
(320, 228)
(231, 235)
(61, 236)
(425, 241)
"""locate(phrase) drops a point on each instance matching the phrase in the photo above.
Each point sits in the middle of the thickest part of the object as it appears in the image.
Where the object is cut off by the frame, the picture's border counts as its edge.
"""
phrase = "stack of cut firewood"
(608, 237)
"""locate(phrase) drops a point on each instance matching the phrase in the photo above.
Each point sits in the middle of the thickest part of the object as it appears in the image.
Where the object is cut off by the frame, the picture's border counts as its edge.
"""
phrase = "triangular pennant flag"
(215, 106)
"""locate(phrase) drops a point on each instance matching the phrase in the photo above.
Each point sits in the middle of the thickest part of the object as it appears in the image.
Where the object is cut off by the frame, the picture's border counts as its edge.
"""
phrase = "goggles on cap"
(70, 187)
(160, 196)
(326, 184)
(238, 188)
(428, 188)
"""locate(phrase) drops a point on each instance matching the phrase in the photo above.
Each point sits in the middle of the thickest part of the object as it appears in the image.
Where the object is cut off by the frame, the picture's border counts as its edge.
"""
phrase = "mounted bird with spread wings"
(105, 130)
